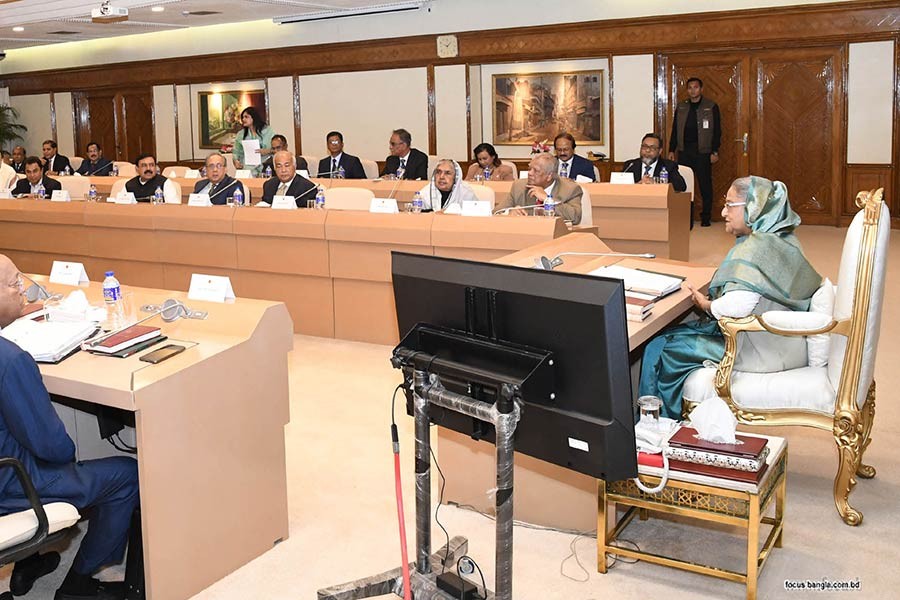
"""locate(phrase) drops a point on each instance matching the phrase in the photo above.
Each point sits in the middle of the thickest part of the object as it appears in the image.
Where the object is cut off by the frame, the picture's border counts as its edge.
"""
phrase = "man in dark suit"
(218, 185)
(18, 159)
(413, 162)
(331, 166)
(647, 168)
(286, 181)
(95, 164)
(35, 180)
(279, 143)
(570, 164)
(54, 163)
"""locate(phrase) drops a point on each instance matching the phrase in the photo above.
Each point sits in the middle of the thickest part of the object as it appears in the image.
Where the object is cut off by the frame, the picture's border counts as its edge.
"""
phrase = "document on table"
(251, 152)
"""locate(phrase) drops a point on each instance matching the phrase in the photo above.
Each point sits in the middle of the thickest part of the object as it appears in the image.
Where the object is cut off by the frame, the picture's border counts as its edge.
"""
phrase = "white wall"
(450, 111)
(65, 125)
(633, 94)
(475, 108)
(870, 103)
(442, 17)
(281, 107)
(364, 107)
(34, 113)
(186, 132)
(164, 122)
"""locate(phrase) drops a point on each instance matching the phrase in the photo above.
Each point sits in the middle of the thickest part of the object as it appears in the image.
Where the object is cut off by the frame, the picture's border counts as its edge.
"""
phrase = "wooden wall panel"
(869, 177)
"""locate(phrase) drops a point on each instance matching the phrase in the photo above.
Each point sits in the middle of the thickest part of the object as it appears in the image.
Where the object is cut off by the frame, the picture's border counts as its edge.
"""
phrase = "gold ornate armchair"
(836, 393)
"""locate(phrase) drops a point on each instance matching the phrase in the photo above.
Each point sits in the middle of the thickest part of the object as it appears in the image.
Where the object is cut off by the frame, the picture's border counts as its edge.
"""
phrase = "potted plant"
(10, 129)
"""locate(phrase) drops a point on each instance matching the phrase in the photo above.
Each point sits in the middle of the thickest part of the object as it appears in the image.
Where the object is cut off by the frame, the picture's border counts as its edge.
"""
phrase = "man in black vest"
(144, 185)
(696, 134)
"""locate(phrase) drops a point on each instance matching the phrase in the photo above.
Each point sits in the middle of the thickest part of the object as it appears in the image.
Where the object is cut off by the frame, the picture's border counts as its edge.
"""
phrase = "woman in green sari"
(765, 270)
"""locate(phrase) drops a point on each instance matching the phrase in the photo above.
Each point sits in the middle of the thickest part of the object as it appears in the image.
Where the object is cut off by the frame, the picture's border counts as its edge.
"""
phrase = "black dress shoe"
(705, 224)
(29, 570)
(100, 590)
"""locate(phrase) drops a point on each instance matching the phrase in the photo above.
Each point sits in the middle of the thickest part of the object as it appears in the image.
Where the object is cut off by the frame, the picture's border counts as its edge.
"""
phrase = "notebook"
(48, 341)
(125, 338)
(644, 282)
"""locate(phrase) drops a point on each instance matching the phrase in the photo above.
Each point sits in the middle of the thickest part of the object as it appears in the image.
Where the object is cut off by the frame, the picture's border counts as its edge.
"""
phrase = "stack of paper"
(48, 341)
(653, 284)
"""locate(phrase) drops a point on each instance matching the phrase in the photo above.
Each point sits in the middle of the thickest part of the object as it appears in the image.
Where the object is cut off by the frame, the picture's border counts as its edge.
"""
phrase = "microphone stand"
(400, 174)
(509, 208)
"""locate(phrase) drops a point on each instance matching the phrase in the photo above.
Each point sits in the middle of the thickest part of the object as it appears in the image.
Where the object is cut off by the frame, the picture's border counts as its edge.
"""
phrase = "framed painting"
(533, 107)
(220, 115)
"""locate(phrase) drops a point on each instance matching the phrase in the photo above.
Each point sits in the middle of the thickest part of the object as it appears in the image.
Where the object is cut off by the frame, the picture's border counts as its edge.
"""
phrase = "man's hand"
(714, 158)
(671, 156)
(538, 193)
(646, 179)
(700, 300)
(238, 164)
(517, 211)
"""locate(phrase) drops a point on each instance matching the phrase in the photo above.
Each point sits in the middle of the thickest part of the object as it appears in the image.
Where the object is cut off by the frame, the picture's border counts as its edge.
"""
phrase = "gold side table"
(704, 498)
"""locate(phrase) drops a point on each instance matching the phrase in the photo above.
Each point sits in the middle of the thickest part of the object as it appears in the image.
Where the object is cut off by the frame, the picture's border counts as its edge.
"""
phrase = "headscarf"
(459, 193)
(768, 261)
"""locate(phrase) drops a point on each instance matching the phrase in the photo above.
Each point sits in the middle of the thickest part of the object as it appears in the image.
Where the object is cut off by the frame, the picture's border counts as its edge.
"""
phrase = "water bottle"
(268, 172)
(342, 174)
(67, 171)
(203, 172)
(418, 204)
(42, 193)
(400, 172)
(158, 196)
(92, 193)
(115, 170)
(112, 294)
(320, 197)
(487, 173)
(663, 175)
(549, 208)
(238, 197)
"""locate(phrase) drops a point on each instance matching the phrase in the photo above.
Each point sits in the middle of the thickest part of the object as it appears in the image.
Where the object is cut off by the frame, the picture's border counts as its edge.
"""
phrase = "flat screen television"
(586, 421)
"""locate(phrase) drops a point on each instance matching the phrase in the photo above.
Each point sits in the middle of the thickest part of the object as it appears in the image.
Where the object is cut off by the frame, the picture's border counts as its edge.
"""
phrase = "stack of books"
(124, 339)
(742, 461)
(638, 306)
(642, 288)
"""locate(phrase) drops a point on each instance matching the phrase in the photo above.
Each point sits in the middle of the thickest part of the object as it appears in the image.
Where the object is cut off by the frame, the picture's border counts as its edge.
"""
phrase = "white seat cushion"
(818, 346)
(18, 527)
(805, 388)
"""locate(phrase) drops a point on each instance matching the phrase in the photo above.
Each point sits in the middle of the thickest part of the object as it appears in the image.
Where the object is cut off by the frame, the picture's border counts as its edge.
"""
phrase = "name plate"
(125, 198)
(242, 174)
(284, 202)
(523, 174)
(5, 194)
(303, 173)
(60, 196)
(68, 273)
(583, 179)
(477, 208)
(199, 200)
(192, 174)
(210, 288)
(383, 205)
(625, 178)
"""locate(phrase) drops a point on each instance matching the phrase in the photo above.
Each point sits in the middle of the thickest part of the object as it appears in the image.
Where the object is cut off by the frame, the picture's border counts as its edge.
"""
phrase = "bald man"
(287, 182)
(542, 181)
(218, 184)
(32, 433)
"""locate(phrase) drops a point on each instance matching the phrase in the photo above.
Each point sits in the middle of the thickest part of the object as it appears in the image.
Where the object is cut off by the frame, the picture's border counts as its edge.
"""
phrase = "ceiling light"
(18, 29)
(158, 8)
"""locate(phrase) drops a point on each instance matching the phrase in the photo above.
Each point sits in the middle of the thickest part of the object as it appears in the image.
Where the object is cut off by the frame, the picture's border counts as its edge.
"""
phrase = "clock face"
(447, 46)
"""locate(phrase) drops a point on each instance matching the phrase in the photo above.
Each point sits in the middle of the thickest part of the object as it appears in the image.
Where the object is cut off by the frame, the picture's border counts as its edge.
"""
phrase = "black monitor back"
(586, 423)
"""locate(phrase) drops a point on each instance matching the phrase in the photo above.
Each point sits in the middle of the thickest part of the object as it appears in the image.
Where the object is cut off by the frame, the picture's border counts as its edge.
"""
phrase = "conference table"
(469, 465)
(209, 431)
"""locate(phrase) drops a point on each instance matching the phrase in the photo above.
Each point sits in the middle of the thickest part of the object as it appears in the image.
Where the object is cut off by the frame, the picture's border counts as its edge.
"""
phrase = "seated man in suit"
(646, 169)
(95, 164)
(331, 166)
(279, 143)
(218, 184)
(543, 181)
(54, 163)
(35, 181)
(412, 162)
(570, 164)
(18, 160)
(32, 432)
(144, 184)
(287, 182)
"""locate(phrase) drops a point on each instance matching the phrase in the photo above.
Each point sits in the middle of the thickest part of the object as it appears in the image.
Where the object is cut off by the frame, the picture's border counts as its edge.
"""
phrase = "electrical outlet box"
(457, 587)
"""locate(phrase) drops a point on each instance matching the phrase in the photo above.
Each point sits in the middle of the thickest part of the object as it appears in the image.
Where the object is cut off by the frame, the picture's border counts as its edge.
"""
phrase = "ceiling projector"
(109, 14)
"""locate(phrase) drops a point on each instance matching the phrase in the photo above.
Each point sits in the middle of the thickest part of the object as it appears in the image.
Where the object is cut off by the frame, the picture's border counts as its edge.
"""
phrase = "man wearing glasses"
(647, 168)
(279, 144)
(404, 162)
(218, 184)
(339, 164)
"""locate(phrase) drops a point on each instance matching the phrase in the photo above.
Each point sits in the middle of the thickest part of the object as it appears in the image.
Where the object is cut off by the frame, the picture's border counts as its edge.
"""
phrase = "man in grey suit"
(543, 180)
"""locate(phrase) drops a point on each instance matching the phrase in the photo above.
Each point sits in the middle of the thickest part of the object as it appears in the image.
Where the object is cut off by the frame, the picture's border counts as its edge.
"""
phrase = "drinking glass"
(229, 201)
(650, 407)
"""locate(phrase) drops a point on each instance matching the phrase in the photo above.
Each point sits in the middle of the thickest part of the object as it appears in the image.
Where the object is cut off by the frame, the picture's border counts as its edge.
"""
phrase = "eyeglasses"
(19, 283)
(336, 142)
(733, 204)
(646, 147)
(215, 166)
(392, 144)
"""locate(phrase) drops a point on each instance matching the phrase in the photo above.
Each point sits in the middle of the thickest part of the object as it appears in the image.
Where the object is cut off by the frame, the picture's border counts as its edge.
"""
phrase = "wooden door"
(726, 81)
(120, 121)
(796, 122)
(136, 136)
(95, 119)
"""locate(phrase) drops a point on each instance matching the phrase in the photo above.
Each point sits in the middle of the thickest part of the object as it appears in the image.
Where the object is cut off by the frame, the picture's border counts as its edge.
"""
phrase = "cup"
(649, 407)
(128, 313)
(229, 201)
(479, 178)
(539, 211)
(311, 203)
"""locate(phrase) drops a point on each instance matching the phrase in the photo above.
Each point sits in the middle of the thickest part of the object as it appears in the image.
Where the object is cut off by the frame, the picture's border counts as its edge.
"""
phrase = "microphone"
(400, 173)
(170, 310)
(548, 264)
(509, 208)
(36, 291)
(232, 185)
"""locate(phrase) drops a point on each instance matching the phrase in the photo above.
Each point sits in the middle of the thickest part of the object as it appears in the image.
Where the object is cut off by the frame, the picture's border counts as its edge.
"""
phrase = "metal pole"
(423, 472)
(505, 426)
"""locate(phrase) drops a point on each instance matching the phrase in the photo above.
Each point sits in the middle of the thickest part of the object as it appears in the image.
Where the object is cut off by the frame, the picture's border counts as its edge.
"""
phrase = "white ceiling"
(57, 21)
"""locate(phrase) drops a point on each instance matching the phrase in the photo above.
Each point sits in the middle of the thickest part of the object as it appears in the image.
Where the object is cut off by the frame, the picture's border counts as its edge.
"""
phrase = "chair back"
(75, 161)
(177, 187)
(229, 164)
(587, 212)
(348, 198)
(513, 166)
(688, 174)
(126, 169)
(117, 186)
(370, 167)
(312, 163)
(596, 174)
(432, 164)
(78, 187)
(859, 297)
(175, 171)
(483, 192)
(8, 178)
